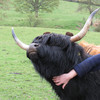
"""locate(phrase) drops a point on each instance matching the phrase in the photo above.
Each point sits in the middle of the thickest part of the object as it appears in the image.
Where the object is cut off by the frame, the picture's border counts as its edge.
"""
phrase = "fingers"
(57, 80)
(64, 85)
(58, 83)
(56, 77)
(61, 80)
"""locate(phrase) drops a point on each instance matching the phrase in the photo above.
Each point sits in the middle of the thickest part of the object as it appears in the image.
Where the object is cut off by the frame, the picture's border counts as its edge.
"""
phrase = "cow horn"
(84, 30)
(19, 43)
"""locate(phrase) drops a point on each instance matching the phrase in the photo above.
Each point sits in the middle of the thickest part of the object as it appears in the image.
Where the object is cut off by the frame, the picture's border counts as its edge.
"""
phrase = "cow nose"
(33, 47)
(36, 45)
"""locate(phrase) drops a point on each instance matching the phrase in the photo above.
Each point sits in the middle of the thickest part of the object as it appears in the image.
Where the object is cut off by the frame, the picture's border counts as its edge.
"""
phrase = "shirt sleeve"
(88, 64)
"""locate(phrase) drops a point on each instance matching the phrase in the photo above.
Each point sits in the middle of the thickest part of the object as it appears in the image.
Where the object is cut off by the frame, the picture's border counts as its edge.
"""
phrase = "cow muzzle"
(33, 48)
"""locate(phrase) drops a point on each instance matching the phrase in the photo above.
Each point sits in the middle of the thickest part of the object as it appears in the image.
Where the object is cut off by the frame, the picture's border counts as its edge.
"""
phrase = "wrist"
(72, 74)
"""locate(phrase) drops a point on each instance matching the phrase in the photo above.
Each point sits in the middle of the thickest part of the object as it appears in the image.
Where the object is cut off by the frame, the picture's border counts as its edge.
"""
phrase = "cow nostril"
(36, 45)
(33, 46)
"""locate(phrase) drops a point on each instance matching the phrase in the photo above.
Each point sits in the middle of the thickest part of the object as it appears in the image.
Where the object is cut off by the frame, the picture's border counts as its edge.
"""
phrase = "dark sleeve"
(88, 64)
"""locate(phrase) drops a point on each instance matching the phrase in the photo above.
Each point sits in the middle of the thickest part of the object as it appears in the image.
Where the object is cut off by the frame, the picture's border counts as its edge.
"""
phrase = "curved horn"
(19, 43)
(84, 30)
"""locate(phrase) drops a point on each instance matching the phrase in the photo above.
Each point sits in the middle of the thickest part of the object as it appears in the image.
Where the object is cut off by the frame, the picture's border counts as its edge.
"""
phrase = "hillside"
(65, 16)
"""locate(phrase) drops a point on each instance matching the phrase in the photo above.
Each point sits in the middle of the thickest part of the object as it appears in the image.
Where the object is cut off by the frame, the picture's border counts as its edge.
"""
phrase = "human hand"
(64, 78)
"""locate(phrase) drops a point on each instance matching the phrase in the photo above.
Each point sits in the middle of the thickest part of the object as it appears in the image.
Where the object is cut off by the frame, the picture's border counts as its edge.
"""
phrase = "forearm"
(72, 73)
(88, 64)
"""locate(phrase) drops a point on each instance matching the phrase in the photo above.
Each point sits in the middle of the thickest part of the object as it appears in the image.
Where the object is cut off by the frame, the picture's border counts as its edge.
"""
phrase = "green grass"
(18, 79)
(65, 16)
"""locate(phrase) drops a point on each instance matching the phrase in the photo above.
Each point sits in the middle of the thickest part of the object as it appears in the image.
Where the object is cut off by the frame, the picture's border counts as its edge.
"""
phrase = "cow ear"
(46, 40)
(46, 33)
(69, 33)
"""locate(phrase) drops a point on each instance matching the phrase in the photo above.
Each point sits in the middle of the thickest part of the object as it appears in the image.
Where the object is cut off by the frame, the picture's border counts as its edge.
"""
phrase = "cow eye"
(39, 37)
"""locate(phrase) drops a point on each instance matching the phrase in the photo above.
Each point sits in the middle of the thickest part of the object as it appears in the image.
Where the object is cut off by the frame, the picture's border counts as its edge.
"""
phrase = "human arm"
(91, 63)
(80, 70)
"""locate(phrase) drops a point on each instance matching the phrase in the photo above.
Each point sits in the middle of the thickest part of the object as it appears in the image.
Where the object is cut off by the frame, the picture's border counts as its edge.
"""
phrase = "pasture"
(65, 16)
(18, 79)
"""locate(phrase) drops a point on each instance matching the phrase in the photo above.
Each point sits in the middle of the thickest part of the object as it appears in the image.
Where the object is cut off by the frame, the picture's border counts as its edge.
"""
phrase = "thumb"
(64, 85)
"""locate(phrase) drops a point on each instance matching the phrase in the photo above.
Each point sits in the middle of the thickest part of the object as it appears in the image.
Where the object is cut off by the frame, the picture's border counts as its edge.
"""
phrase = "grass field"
(18, 79)
(65, 16)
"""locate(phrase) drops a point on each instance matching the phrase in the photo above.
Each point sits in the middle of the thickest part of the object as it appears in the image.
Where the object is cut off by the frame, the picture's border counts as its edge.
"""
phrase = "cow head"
(49, 52)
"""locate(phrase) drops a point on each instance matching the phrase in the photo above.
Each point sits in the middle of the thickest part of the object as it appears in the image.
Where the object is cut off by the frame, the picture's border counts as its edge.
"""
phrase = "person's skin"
(64, 78)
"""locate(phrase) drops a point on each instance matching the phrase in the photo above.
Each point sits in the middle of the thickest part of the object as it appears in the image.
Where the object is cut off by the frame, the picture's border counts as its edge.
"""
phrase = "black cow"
(55, 54)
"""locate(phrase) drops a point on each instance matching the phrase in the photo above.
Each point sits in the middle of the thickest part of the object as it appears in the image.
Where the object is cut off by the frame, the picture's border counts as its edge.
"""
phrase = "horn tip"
(97, 9)
(93, 13)
(13, 34)
(12, 28)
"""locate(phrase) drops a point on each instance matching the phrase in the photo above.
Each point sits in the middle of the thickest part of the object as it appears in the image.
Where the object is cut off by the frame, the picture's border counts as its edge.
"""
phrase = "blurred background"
(64, 14)
(30, 18)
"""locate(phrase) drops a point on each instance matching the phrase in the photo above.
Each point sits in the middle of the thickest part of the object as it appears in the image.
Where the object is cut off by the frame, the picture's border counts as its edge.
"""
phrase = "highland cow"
(90, 48)
(55, 54)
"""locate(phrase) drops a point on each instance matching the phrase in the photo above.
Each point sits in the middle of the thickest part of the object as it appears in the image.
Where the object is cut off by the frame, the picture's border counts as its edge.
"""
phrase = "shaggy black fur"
(57, 55)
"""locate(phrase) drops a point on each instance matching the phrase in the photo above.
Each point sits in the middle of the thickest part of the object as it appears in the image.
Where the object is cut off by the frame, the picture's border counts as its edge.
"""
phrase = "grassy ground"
(18, 79)
(65, 16)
